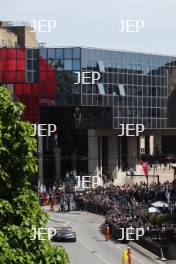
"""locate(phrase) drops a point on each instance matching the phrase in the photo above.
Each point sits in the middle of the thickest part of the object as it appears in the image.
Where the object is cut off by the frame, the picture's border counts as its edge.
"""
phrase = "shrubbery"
(19, 206)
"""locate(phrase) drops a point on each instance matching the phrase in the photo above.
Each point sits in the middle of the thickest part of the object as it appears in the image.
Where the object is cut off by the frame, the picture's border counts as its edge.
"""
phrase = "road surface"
(91, 247)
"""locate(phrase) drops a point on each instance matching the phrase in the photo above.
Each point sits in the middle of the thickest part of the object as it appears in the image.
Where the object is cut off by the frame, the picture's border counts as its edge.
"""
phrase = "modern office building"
(132, 88)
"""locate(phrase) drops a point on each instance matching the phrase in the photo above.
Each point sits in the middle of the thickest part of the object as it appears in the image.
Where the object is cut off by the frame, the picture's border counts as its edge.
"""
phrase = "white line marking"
(98, 255)
(90, 249)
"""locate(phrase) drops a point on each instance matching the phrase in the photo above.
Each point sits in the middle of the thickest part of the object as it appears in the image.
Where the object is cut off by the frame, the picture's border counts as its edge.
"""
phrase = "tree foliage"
(19, 207)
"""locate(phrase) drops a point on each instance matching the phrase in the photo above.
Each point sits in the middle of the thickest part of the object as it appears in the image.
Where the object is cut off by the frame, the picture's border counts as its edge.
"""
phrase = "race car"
(64, 234)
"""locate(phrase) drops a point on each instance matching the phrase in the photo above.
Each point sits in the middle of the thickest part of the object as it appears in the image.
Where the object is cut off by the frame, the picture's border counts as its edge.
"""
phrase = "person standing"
(63, 204)
(52, 204)
(107, 232)
(129, 254)
(124, 256)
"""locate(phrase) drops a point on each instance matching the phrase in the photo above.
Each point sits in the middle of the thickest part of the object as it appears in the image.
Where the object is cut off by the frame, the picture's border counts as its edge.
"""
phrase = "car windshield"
(66, 230)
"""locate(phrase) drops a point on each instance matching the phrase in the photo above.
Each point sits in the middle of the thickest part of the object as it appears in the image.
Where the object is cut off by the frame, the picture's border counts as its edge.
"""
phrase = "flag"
(124, 256)
(145, 168)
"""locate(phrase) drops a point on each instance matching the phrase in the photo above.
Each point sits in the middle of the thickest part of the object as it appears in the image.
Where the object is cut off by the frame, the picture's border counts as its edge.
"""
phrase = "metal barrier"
(160, 251)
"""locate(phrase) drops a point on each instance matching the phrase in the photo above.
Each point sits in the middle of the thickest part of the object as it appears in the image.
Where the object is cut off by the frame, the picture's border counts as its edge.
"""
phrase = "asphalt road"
(91, 247)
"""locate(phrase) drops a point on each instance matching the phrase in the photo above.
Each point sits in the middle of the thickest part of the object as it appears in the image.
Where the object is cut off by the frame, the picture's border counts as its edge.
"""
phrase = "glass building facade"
(134, 86)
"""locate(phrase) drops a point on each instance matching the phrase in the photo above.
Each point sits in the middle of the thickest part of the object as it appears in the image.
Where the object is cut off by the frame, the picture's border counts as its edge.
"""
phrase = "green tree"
(19, 207)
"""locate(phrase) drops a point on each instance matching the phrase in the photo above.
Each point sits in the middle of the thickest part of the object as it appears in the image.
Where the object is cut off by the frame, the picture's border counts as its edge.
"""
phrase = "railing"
(158, 250)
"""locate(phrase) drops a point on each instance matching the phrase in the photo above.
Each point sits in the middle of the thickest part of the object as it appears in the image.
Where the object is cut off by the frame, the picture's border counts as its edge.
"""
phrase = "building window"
(29, 53)
(32, 65)
(59, 65)
(101, 88)
(142, 151)
(68, 65)
(121, 89)
(43, 52)
(153, 112)
(76, 53)
(130, 112)
(139, 113)
(116, 90)
(139, 90)
(29, 65)
(59, 53)
(76, 65)
(51, 53)
(101, 66)
(67, 53)
(89, 89)
(29, 77)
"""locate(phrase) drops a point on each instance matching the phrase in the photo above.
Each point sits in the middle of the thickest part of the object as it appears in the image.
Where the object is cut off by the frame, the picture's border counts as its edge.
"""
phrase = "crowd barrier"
(160, 251)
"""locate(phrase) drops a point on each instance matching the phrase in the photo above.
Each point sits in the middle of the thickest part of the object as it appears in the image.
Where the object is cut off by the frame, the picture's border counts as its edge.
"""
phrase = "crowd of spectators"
(155, 161)
(123, 206)
(57, 197)
(59, 192)
(127, 206)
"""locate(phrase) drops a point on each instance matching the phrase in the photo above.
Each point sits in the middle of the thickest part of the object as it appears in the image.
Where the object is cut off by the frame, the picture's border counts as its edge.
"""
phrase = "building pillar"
(113, 156)
(92, 153)
(100, 165)
(151, 143)
(158, 145)
(57, 154)
(132, 152)
(142, 143)
(147, 145)
(74, 158)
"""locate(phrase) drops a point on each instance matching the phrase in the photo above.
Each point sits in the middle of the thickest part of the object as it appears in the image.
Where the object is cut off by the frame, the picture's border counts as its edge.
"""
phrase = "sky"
(96, 23)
